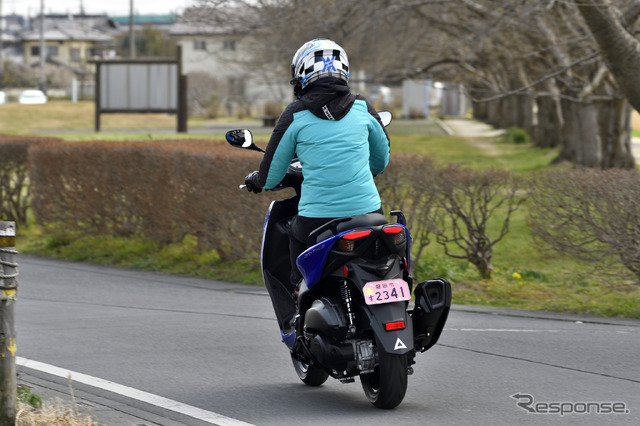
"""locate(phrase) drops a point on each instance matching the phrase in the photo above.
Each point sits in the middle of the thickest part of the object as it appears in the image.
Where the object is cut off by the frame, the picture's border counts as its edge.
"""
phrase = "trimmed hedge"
(15, 185)
(162, 190)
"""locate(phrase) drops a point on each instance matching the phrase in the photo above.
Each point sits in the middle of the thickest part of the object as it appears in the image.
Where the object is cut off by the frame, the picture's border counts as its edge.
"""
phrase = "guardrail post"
(8, 295)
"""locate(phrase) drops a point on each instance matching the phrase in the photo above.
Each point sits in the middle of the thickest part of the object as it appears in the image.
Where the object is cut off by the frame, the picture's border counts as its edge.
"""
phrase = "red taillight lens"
(347, 241)
(356, 234)
(396, 325)
(393, 229)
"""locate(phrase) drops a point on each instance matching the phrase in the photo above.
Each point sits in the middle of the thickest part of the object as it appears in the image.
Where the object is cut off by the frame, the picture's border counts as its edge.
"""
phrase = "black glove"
(251, 183)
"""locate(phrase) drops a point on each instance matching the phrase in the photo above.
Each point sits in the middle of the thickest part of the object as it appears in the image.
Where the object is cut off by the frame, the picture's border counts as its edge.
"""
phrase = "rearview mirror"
(242, 138)
(385, 117)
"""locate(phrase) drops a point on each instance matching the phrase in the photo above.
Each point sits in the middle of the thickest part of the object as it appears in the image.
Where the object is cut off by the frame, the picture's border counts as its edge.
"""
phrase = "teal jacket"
(341, 144)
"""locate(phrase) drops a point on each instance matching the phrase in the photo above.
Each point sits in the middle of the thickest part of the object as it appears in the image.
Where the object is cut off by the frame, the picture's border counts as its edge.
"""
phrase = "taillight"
(395, 325)
(399, 236)
(348, 241)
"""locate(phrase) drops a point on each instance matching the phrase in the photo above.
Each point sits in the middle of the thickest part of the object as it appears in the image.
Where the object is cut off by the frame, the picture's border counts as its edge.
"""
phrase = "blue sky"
(111, 7)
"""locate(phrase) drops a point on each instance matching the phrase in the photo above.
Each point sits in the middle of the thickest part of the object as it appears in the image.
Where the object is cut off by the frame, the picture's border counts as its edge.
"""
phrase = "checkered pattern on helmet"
(317, 62)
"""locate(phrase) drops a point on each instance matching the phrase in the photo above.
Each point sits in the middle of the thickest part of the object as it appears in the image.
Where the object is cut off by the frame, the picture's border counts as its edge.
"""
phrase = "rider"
(338, 138)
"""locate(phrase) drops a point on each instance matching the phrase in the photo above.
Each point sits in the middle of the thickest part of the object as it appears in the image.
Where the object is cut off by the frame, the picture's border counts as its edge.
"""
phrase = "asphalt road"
(213, 349)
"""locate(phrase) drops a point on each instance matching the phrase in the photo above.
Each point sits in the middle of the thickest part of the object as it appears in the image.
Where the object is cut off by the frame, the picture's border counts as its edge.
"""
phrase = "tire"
(309, 374)
(386, 386)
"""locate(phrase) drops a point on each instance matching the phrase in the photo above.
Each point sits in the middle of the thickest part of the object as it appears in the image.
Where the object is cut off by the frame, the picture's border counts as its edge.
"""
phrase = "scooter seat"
(343, 224)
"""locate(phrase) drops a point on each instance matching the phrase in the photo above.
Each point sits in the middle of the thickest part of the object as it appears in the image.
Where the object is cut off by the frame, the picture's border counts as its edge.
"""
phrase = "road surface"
(174, 350)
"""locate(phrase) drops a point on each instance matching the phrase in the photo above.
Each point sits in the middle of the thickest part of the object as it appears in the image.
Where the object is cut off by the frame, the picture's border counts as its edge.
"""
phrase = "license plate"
(387, 291)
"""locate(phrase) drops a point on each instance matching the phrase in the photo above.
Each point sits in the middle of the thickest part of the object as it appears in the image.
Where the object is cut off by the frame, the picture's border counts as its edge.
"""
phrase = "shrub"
(15, 187)
(407, 185)
(456, 206)
(204, 95)
(517, 135)
(592, 215)
(469, 204)
(162, 190)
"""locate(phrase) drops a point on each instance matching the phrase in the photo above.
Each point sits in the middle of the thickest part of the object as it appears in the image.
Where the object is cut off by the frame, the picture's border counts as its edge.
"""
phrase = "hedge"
(15, 185)
(162, 190)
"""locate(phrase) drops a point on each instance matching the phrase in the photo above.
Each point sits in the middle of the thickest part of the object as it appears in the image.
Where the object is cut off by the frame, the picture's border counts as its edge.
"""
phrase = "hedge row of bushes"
(162, 190)
(14, 177)
(165, 190)
(591, 215)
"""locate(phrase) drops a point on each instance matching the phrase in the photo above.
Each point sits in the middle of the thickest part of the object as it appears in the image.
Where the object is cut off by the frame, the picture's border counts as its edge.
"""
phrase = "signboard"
(141, 86)
(135, 87)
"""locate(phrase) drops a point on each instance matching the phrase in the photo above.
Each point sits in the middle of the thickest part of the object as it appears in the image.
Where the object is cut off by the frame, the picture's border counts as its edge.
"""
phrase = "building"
(70, 41)
(158, 22)
(221, 51)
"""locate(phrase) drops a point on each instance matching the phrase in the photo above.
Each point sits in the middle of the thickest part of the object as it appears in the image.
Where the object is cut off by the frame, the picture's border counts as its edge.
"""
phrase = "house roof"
(146, 19)
(207, 21)
(67, 31)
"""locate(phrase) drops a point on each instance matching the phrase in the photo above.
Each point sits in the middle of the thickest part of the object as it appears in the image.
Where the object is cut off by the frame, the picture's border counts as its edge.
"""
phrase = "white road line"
(149, 398)
(508, 330)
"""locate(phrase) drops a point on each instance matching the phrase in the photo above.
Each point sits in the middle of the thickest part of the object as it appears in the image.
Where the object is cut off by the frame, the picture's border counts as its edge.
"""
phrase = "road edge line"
(129, 392)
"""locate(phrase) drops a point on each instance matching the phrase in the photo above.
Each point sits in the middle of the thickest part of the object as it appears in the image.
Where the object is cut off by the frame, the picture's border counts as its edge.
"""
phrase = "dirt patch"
(485, 144)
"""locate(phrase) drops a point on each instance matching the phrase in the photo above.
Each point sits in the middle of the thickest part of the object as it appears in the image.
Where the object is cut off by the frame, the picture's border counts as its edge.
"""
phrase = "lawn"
(525, 276)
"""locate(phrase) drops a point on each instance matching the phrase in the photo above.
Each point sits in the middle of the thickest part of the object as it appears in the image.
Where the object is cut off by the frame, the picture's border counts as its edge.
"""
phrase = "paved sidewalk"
(103, 411)
(472, 128)
(469, 128)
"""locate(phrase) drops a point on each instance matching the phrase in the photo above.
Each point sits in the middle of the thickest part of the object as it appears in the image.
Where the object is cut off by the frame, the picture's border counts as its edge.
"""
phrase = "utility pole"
(8, 295)
(43, 49)
(132, 40)
(1, 45)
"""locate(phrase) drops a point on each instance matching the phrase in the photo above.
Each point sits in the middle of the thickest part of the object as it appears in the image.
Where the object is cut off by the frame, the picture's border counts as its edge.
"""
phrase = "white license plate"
(377, 292)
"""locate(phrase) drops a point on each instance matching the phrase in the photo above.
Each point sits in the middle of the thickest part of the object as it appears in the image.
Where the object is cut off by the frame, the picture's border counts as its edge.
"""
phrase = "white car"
(32, 97)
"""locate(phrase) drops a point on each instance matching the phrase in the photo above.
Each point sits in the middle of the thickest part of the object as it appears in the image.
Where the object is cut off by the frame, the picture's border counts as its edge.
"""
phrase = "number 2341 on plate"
(376, 292)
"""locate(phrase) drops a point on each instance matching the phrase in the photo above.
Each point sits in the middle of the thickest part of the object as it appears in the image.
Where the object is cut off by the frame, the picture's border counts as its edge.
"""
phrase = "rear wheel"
(387, 385)
(309, 373)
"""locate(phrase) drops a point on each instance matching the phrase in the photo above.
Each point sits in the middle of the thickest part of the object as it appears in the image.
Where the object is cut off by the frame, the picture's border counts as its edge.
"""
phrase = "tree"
(514, 57)
(612, 28)
(588, 215)
(149, 42)
(467, 207)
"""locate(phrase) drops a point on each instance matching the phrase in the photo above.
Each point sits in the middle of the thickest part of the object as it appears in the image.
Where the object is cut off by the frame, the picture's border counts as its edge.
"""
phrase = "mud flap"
(433, 301)
(395, 341)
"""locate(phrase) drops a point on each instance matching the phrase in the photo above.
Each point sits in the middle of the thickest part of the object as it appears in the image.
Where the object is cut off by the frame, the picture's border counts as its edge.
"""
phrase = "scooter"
(350, 316)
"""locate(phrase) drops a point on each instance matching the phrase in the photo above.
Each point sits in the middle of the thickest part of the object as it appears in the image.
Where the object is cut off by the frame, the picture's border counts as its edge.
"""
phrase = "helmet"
(316, 59)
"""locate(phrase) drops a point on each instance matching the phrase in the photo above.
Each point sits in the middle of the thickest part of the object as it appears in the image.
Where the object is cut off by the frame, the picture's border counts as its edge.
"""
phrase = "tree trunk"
(510, 106)
(615, 132)
(480, 111)
(597, 134)
(618, 47)
(494, 112)
(549, 128)
(581, 143)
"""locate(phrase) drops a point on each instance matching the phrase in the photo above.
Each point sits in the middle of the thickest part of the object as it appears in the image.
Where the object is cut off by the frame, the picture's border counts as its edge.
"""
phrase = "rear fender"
(396, 341)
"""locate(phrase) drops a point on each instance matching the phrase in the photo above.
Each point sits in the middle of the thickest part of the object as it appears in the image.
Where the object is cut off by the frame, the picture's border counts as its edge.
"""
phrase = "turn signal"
(396, 325)
(347, 241)
(397, 232)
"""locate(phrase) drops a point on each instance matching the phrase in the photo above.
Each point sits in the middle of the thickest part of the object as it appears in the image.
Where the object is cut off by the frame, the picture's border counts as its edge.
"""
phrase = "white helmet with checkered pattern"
(316, 59)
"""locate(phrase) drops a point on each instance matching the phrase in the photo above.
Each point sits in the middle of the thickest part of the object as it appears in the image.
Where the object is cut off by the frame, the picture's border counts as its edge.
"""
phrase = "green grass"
(524, 276)
(136, 252)
(478, 153)
(527, 277)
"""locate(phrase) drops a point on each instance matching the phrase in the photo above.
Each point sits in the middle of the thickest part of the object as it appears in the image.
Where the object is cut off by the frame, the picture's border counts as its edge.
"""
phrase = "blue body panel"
(312, 261)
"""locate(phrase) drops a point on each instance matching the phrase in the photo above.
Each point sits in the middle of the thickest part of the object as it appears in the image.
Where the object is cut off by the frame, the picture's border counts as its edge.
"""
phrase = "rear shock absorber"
(346, 298)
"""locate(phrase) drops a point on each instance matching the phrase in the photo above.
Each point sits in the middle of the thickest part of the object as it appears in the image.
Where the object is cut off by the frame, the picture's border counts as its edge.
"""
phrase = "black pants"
(299, 231)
